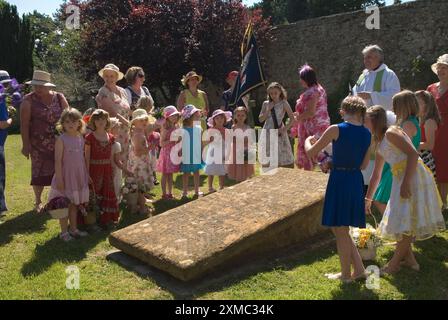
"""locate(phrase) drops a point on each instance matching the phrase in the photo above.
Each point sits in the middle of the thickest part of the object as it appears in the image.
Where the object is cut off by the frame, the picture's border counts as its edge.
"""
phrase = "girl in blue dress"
(344, 198)
(191, 148)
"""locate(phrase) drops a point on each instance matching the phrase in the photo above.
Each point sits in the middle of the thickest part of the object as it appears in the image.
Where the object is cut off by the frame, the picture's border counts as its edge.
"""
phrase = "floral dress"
(140, 166)
(284, 150)
(313, 126)
(43, 138)
(420, 216)
(101, 172)
(165, 165)
(121, 107)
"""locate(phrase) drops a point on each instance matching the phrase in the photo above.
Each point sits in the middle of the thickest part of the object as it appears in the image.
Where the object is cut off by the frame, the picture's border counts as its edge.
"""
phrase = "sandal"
(66, 237)
(78, 234)
(198, 194)
(212, 190)
(39, 208)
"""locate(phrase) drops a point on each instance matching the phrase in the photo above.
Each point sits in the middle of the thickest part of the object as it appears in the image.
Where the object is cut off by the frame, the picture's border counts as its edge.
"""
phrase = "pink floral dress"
(313, 126)
(165, 164)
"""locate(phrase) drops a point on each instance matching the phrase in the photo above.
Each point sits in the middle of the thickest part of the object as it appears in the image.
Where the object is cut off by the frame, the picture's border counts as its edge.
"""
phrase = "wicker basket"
(59, 213)
(368, 253)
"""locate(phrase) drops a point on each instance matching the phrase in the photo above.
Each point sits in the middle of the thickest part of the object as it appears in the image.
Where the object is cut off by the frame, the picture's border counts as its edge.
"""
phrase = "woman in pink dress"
(113, 99)
(311, 114)
(440, 152)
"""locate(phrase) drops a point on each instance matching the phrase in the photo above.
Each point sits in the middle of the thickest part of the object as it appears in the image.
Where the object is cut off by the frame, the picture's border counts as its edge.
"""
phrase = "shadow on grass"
(27, 223)
(178, 184)
(230, 274)
(55, 250)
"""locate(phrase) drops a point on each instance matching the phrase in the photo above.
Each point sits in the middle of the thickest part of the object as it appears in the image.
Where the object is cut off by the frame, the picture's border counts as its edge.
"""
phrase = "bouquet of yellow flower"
(367, 241)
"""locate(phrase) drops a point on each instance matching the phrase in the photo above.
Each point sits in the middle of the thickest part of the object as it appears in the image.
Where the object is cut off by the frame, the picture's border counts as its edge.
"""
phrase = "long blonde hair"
(73, 115)
(405, 105)
(378, 116)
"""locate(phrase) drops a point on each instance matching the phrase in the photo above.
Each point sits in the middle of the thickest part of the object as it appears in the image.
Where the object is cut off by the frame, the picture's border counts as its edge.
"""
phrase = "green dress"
(382, 193)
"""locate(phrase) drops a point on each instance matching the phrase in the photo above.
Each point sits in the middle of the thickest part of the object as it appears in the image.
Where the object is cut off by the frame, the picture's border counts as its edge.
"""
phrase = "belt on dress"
(105, 161)
(345, 169)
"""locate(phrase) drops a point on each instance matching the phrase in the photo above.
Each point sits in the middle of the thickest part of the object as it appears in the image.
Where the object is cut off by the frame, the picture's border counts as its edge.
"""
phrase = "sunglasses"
(140, 75)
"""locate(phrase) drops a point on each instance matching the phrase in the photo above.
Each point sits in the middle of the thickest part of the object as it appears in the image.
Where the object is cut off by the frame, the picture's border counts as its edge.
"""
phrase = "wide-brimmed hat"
(441, 60)
(141, 114)
(216, 113)
(170, 111)
(188, 76)
(4, 77)
(41, 78)
(112, 67)
(188, 111)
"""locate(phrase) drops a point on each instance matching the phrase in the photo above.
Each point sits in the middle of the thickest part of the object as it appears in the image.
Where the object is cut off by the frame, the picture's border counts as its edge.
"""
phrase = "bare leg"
(356, 260)
(443, 188)
(38, 196)
(222, 180)
(185, 177)
(170, 183)
(164, 182)
(73, 217)
(402, 250)
(210, 184)
(64, 225)
(142, 203)
(344, 251)
(196, 178)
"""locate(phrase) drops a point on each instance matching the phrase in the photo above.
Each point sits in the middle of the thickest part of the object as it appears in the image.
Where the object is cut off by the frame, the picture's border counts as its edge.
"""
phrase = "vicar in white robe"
(376, 86)
(377, 83)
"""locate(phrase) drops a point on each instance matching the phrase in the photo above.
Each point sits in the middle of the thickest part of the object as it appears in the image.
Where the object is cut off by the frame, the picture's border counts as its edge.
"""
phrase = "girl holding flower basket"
(70, 184)
(344, 199)
(414, 211)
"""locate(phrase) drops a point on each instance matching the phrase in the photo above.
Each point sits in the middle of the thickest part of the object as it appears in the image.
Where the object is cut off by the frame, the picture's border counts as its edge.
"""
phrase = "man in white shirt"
(377, 84)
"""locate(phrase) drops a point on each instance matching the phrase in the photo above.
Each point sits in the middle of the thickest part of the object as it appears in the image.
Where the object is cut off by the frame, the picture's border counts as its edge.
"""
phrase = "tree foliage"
(16, 54)
(165, 37)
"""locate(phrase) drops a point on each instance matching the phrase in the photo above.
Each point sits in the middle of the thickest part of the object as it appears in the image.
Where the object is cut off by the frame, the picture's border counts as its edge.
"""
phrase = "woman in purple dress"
(39, 113)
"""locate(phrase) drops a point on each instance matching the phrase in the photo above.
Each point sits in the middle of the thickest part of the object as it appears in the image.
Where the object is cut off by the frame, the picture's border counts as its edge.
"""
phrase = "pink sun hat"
(188, 111)
(170, 111)
(216, 113)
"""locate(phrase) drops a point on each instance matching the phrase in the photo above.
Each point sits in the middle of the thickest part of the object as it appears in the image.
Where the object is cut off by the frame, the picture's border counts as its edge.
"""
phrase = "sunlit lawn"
(33, 261)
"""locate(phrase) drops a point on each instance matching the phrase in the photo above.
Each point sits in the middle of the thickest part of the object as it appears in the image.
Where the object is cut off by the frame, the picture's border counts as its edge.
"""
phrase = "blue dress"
(192, 150)
(344, 198)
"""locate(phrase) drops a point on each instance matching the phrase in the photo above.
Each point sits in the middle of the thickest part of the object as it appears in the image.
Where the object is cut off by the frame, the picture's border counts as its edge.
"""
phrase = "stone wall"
(412, 35)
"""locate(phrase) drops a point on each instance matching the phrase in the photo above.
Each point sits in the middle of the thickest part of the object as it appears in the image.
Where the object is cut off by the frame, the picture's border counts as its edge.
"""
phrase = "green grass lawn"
(33, 261)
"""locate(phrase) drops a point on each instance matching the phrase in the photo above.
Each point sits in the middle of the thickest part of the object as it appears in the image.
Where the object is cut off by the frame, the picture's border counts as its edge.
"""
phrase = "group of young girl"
(402, 185)
(90, 162)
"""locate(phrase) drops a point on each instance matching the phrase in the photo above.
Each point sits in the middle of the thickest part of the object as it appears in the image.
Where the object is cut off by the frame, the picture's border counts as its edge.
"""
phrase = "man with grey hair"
(377, 84)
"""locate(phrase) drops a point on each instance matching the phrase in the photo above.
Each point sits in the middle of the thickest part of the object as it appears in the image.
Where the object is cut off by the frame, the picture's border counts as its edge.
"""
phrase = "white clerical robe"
(390, 85)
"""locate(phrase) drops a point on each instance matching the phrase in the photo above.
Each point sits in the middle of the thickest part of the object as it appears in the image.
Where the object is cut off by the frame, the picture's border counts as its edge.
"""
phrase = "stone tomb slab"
(257, 216)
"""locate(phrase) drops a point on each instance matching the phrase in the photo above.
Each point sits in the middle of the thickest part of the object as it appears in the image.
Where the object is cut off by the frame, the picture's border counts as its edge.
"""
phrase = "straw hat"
(4, 77)
(141, 114)
(170, 111)
(112, 67)
(41, 78)
(216, 113)
(188, 76)
(441, 60)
